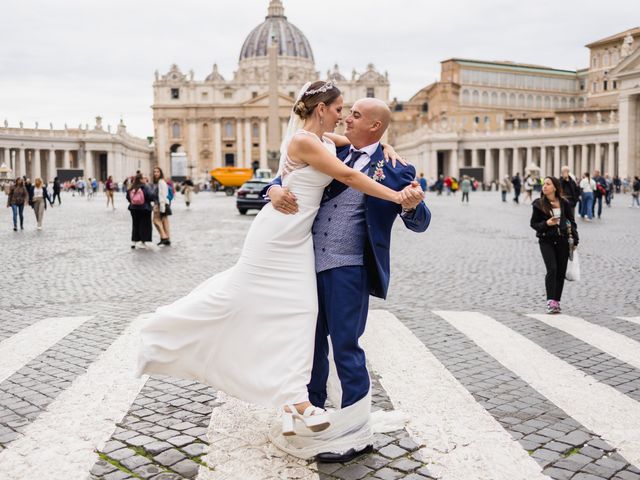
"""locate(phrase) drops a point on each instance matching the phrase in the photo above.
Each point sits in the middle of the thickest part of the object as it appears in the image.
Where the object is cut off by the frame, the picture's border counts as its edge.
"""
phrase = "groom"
(351, 236)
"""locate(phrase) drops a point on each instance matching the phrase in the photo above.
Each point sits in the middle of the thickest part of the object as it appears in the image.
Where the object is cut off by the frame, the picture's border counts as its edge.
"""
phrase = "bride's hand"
(391, 155)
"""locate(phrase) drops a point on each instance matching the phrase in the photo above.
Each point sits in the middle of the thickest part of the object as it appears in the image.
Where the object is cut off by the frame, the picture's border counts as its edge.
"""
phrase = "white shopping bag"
(573, 269)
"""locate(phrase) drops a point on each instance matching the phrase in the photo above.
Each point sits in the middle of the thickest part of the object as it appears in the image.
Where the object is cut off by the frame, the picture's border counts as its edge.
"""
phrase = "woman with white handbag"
(552, 219)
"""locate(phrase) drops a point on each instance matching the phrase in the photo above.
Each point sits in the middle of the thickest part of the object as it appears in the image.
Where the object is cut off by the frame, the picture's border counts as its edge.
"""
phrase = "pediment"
(263, 100)
(630, 65)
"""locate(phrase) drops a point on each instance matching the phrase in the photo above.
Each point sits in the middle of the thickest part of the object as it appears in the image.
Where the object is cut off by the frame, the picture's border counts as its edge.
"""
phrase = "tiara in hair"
(322, 89)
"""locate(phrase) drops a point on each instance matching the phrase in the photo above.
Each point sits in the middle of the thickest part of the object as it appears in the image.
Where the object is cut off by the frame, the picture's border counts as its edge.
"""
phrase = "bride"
(249, 331)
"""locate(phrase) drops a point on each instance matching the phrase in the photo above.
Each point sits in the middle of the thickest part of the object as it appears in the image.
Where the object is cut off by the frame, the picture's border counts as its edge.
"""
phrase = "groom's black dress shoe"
(330, 457)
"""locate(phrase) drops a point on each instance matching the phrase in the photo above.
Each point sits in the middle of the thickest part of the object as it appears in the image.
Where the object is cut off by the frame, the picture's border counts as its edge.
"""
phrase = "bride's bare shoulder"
(304, 143)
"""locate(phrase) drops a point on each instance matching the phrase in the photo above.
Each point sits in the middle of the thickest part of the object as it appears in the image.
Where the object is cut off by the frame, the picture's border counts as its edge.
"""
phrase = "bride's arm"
(339, 140)
(308, 150)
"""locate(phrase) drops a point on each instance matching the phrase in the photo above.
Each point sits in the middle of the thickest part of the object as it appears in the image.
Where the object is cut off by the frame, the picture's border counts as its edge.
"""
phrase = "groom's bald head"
(368, 120)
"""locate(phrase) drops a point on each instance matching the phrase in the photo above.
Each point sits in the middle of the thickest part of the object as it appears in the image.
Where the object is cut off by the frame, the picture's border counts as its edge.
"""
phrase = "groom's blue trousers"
(343, 301)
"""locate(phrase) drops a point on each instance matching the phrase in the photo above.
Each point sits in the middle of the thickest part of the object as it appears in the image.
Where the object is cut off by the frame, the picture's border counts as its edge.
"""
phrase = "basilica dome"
(291, 40)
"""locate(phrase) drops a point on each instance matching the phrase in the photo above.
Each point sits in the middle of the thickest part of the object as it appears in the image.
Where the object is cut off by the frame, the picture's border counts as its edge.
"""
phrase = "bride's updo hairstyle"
(318, 92)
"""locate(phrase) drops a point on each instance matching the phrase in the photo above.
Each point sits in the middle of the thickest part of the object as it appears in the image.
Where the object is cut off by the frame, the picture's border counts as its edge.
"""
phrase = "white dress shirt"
(364, 159)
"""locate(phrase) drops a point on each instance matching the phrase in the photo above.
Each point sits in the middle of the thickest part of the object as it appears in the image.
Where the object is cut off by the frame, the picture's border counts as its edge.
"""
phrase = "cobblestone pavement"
(481, 257)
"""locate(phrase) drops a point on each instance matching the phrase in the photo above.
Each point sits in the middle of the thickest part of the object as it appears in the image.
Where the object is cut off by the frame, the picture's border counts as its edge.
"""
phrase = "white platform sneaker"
(314, 418)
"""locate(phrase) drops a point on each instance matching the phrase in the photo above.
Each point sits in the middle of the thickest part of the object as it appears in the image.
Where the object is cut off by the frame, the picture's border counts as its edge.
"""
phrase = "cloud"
(70, 60)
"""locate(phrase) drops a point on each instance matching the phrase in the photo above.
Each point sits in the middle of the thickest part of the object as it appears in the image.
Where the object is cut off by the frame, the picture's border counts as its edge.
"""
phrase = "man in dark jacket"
(56, 191)
(570, 189)
(517, 185)
(599, 193)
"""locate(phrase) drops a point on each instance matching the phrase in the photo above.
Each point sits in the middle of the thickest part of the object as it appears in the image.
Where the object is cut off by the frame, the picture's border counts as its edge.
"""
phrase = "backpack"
(170, 192)
(137, 196)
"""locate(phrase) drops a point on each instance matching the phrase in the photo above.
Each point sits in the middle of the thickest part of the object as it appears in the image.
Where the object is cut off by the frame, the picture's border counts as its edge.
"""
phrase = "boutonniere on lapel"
(378, 175)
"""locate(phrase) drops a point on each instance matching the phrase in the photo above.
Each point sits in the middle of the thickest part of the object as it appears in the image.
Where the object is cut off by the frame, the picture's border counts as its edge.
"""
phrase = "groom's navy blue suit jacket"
(380, 215)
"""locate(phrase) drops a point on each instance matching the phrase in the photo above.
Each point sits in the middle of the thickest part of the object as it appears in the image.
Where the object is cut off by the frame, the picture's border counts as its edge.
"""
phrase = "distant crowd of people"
(152, 199)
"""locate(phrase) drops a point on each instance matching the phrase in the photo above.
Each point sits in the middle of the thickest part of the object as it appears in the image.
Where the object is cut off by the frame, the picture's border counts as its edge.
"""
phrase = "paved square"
(441, 349)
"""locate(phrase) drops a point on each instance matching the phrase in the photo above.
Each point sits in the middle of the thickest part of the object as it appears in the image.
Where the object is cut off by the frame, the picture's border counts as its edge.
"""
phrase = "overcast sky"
(70, 60)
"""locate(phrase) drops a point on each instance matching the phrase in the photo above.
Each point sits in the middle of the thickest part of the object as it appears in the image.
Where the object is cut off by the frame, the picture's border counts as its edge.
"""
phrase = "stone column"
(611, 159)
(240, 156)
(51, 165)
(66, 162)
(247, 143)
(628, 136)
(556, 161)
(162, 148)
(543, 161)
(488, 167)
(192, 155)
(263, 144)
(22, 163)
(111, 165)
(433, 163)
(584, 159)
(502, 163)
(3, 152)
(571, 158)
(217, 143)
(474, 157)
(453, 163)
(36, 168)
(88, 164)
(529, 159)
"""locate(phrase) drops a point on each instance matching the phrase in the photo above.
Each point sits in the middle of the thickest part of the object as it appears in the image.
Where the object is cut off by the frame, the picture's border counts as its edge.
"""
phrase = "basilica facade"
(240, 121)
(509, 117)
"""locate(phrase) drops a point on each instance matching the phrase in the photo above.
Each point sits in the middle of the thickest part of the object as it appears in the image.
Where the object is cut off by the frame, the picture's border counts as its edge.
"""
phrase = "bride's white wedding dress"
(249, 331)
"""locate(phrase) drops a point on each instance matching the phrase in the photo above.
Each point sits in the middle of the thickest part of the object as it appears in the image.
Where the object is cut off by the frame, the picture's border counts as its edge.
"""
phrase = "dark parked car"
(248, 196)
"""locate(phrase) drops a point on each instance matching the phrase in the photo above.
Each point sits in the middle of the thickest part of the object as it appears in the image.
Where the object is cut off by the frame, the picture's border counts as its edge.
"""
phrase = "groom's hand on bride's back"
(283, 200)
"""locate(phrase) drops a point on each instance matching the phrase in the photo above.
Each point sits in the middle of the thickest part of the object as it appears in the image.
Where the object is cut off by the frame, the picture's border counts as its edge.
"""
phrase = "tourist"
(139, 197)
(517, 185)
(529, 182)
(423, 182)
(505, 187)
(187, 190)
(465, 187)
(17, 199)
(109, 188)
(56, 191)
(635, 192)
(599, 193)
(552, 219)
(570, 190)
(38, 197)
(587, 186)
(161, 207)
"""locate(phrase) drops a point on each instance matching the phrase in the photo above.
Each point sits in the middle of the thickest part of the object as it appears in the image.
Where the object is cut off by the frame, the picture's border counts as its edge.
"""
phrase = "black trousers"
(56, 194)
(141, 225)
(465, 195)
(555, 255)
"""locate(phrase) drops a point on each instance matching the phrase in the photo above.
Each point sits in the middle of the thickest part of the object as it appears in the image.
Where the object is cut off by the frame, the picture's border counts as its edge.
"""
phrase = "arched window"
(605, 60)
(503, 99)
(228, 129)
(205, 130)
(255, 130)
(494, 98)
(475, 97)
(485, 98)
(512, 99)
(556, 102)
(529, 101)
(547, 102)
(538, 101)
(572, 102)
(425, 107)
(563, 102)
(581, 102)
(465, 97)
(175, 130)
(521, 100)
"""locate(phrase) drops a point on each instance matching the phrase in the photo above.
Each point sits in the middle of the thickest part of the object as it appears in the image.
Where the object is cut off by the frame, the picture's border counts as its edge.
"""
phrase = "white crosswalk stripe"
(615, 344)
(631, 319)
(30, 342)
(602, 409)
(60, 444)
(462, 440)
(459, 438)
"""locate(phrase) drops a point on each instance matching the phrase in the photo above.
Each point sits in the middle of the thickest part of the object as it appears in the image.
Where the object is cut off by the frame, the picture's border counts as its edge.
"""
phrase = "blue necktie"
(355, 155)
